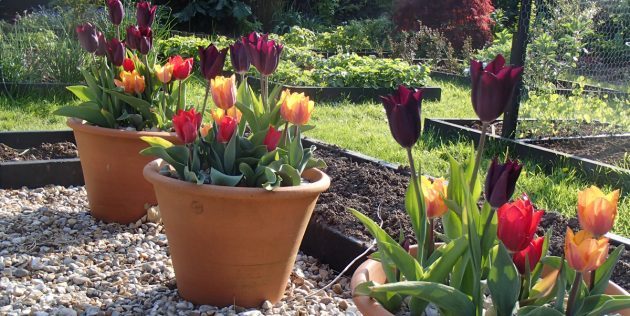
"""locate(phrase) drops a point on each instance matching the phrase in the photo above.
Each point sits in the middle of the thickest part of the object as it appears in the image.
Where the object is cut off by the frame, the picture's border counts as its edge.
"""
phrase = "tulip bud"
(164, 74)
(238, 56)
(517, 223)
(146, 40)
(596, 210)
(115, 52)
(501, 181)
(403, 113)
(181, 67)
(223, 91)
(133, 37)
(296, 108)
(492, 87)
(211, 61)
(132, 82)
(584, 253)
(116, 11)
(533, 252)
(88, 37)
(263, 53)
(226, 126)
(128, 64)
(218, 114)
(145, 13)
(101, 50)
(186, 124)
(272, 138)
(433, 193)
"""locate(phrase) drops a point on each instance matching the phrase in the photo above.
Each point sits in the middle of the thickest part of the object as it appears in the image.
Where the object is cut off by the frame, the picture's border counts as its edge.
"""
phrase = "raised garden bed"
(598, 172)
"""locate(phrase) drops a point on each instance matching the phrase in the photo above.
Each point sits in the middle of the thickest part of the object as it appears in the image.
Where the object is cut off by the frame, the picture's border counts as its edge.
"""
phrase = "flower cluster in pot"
(252, 140)
(125, 85)
(492, 250)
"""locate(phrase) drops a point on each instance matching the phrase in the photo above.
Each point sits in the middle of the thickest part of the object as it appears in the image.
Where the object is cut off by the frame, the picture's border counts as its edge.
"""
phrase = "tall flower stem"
(431, 241)
(146, 64)
(285, 134)
(574, 293)
(423, 226)
(205, 100)
(591, 283)
(264, 90)
(482, 143)
(179, 95)
(165, 87)
(118, 30)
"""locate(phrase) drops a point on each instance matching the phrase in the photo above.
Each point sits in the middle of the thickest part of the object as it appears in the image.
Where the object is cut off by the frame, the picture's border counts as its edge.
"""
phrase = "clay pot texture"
(234, 245)
(112, 170)
(372, 270)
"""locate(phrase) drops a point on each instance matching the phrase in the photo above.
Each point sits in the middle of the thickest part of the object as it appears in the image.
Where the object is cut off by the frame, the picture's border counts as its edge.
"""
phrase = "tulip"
(263, 53)
(517, 223)
(238, 56)
(88, 37)
(116, 11)
(133, 37)
(146, 40)
(226, 126)
(596, 210)
(501, 181)
(223, 91)
(584, 253)
(434, 194)
(115, 52)
(403, 113)
(218, 114)
(532, 252)
(164, 73)
(296, 108)
(128, 64)
(145, 13)
(181, 67)
(272, 138)
(132, 82)
(101, 49)
(492, 87)
(211, 61)
(186, 124)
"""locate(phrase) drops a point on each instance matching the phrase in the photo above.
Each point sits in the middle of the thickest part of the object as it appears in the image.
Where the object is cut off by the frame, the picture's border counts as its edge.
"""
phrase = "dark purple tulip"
(501, 181)
(145, 13)
(133, 37)
(238, 55)
(88, 37)
(211, 61)
(263, 53)
(403, 113)
(492, 87)
(101, 50)
(116, 11)
(115, 51)
(146, 40)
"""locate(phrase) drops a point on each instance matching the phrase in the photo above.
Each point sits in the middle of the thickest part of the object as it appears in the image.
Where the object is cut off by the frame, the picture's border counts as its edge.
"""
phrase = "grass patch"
(32, 113)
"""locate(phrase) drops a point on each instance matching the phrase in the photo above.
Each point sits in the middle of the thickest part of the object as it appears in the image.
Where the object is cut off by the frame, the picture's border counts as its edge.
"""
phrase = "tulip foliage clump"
(252, 140)
(490, 252)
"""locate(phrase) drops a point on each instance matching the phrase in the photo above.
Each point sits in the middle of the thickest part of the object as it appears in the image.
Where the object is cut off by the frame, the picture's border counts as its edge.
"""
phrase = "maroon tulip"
(186, 124)
(116, 11)
(263, 53)
(501, 181)
(88, 37)
(238, 55)
(517, 223)
(533, 252)
(492, 87)
(272, 138)
(101, 50)
(146, 40)
(116, 51)
(145, 13)
(403, 113)
(211, 61)
(133, 37)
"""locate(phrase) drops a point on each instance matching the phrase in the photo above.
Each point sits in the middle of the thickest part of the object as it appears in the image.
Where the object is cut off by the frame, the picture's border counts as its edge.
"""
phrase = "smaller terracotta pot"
(372, 270)
(112, 170)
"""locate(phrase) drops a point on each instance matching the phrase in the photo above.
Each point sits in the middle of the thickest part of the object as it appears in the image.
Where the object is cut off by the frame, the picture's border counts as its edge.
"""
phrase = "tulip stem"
(179, 95)
(205, 100)
(149, 85)
(164, 101)
(591, 283)
(422, 234)
(431, 242)
(118, 30)
(264, 88)
(482, 142)
(574, 293)
(285, 134)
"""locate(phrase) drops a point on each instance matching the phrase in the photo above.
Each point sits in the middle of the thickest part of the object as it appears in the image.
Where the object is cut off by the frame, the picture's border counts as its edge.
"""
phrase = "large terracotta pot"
(372, 270)
(234, 245)
(112, 169)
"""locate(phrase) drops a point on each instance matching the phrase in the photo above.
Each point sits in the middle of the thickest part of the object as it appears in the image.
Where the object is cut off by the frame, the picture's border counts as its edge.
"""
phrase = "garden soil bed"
(531, 129)
(370, 188)
(609, 150)
(45, 151)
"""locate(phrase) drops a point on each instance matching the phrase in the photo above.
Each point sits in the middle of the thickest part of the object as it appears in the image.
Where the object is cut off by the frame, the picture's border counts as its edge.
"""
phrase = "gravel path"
(57, 260)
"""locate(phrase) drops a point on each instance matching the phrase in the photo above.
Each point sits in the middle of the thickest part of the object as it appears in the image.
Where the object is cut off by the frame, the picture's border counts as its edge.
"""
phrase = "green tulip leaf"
(85, 112)
(603, 273)
(140, 105)
(84, 93)
(538, 311)
(290, 176)
(391, 301)
(156, 141)
(443, 259)
(220, 178)
(596, 305)
(161, 152)
(503, 281)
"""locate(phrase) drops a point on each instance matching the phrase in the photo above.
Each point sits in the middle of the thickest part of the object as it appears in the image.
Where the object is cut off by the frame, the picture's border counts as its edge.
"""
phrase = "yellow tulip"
(596, 210)
(218, 114)
(164, 73)
(584, 252)
(132, 82)
(296, 108)
(433, 192)
(223, 91)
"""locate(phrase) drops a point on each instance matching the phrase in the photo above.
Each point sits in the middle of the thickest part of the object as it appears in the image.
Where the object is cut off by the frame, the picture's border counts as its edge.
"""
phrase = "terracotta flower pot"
(112, 169)
(234, 245)
(372, 270)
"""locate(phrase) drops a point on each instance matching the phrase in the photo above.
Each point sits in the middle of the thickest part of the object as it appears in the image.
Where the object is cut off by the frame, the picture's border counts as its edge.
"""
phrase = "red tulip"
(128, 65)
(492, 87)
(517, 223)
(227, 125)
(133, 37)
(146, 40)
(501, 181)
(116, 51)
(88, 37)
(145, 13)
(272, 138)
(533, 252)
(403, 113)
(211, 61)
(116, 11)
(186, 124)
(238, 56)
(263, 53)
(181, 67)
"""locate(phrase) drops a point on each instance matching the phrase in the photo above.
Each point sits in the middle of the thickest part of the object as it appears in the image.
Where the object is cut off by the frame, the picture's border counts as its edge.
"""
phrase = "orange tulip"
(205, 129)
(296, 108)
(132, 82)
(218, 114)
(164, 73)
(596, 210)
(433, 193)
(584, 252)
(223, 91)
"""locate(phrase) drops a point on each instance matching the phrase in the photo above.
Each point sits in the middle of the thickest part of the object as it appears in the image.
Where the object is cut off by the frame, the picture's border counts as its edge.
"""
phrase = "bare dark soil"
(45, 151)
(539, 129)
(611, 150)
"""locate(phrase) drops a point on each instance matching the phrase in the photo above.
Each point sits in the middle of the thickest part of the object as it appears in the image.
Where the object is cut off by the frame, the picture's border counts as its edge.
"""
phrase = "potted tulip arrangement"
(490, 259)
(237, 195)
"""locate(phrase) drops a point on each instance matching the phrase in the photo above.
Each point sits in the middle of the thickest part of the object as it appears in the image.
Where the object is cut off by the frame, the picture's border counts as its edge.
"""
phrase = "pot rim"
(78, 124)
(319, 182)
